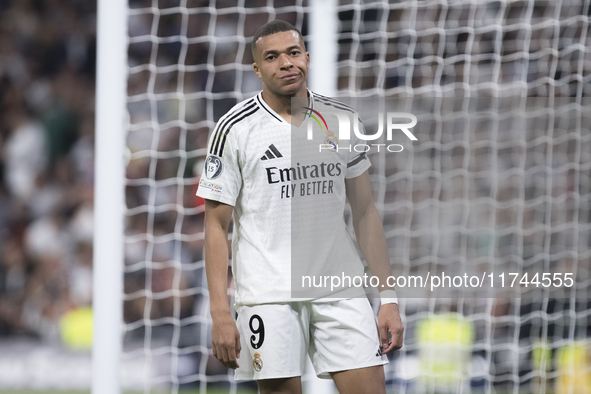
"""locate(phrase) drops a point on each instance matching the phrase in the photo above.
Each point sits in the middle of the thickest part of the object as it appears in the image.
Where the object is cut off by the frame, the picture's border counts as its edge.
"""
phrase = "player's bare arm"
(224, 334)
(372, 241)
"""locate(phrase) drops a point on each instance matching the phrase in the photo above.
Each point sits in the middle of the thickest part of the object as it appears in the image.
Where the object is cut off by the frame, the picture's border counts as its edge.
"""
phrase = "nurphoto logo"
(345, 119)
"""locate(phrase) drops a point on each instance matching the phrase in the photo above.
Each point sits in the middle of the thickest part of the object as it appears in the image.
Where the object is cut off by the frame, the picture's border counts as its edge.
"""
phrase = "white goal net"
(506, 187)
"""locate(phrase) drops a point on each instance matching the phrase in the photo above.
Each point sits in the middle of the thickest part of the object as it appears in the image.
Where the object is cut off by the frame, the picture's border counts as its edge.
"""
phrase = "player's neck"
(282, 104)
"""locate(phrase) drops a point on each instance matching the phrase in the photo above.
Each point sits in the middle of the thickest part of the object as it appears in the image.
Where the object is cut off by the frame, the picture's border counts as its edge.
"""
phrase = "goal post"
(109, 201)
(323, 47)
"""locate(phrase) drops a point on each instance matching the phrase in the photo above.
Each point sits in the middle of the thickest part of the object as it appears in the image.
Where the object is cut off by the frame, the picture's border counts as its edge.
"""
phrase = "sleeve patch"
(213, 167)
(214, 187)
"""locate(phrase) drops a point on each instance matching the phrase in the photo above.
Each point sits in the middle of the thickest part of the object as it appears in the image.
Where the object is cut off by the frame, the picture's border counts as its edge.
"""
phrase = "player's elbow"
(364, 213)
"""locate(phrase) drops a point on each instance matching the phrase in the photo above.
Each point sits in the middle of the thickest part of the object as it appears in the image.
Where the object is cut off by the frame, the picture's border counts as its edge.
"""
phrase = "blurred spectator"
(24, 152)
(14, 270)
(47, 297)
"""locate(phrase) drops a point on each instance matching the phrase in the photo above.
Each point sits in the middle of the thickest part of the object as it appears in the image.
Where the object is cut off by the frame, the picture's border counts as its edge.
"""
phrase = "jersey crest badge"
(213, 167)
(331, 140)
(257, 363)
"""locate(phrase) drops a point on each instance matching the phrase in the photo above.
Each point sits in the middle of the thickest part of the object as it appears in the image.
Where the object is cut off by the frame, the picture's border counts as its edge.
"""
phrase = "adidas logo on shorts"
(379, 353)
(271, 153)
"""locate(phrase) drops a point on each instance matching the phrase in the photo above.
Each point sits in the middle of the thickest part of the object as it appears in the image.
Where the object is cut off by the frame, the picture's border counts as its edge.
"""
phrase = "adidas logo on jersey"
(271, 153)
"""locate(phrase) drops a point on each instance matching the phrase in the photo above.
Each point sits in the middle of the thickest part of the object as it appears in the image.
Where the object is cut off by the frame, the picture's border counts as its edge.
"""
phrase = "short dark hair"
(276, 26)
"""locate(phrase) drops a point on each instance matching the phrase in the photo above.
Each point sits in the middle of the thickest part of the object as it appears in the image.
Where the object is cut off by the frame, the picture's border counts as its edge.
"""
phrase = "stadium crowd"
(47, 69)
(47, 95)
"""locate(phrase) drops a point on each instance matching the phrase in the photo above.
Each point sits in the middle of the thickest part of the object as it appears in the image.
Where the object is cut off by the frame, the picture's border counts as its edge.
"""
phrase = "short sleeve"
(357, 162)
(221, 178)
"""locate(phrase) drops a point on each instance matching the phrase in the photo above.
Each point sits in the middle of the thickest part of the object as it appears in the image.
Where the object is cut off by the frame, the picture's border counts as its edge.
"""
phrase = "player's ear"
(257, 71)
(308, 59)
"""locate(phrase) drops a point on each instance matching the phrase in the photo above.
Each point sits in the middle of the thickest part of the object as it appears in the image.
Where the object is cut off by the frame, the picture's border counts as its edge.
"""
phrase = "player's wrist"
(220, 313)
(388, 297)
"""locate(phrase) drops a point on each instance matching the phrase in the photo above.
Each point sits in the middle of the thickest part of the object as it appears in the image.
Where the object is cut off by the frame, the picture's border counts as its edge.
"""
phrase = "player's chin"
(291, 88)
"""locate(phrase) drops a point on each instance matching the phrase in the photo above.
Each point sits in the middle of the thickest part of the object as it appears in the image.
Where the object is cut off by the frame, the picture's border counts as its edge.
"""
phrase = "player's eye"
(295, 53)
(271, 57)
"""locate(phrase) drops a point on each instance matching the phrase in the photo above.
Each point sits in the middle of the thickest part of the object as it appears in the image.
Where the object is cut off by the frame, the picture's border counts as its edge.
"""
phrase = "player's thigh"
(344, 336)
(370, 380)
(280, 386)
(274, 339)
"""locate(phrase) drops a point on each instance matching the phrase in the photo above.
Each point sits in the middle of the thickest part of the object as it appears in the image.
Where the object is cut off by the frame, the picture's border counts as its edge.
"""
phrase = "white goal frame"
(109, 198)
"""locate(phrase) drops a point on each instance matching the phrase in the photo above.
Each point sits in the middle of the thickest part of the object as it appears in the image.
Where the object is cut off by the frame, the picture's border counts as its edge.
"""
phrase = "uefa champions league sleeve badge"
(213, 167)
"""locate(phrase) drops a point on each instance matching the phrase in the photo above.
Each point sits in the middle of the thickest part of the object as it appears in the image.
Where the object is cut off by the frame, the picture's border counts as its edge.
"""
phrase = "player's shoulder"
(240, 111)
(236, 118)
(331, 103)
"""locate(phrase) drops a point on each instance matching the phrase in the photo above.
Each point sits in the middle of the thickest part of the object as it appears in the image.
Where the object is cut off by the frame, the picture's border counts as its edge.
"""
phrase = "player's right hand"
(389, 322)
(225, 340)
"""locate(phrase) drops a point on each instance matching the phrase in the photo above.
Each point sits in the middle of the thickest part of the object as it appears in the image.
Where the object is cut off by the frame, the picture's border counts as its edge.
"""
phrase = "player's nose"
(285, 61)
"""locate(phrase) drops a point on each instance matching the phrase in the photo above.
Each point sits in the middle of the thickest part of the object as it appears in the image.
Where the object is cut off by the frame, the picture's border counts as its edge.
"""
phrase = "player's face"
(282, 63)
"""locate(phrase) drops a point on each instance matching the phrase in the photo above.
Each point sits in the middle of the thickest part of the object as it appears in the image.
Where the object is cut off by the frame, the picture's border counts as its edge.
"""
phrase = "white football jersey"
(272, 173)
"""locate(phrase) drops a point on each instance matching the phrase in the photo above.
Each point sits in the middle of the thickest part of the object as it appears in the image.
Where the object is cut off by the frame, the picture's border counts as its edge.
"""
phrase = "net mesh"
(470, 192)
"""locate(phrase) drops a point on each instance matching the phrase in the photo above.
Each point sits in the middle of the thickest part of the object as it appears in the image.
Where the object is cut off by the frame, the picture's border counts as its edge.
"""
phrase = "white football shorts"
(338, 335)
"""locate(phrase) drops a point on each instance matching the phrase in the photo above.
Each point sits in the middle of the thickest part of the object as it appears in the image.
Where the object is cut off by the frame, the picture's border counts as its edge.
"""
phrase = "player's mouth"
(290, 77)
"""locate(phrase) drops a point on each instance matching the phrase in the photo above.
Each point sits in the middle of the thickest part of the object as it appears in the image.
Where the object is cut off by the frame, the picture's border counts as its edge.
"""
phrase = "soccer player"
(250, 173)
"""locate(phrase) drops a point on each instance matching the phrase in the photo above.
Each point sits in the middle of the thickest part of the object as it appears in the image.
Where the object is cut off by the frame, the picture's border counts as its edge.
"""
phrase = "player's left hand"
(389, 322)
